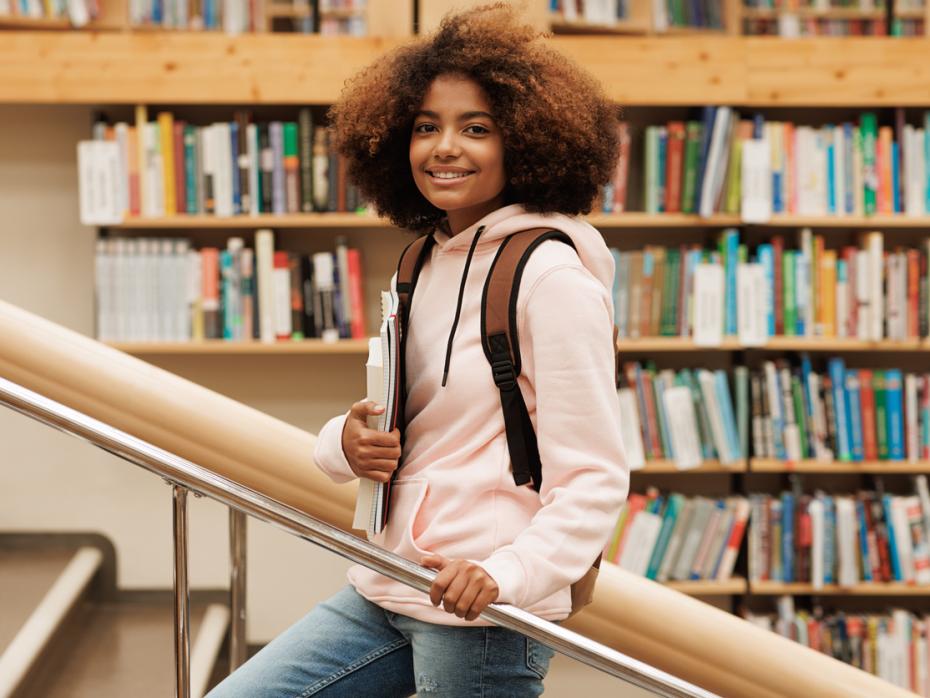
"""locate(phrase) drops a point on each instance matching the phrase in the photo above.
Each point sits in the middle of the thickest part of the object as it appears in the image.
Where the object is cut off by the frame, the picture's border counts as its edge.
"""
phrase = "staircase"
(66, 631)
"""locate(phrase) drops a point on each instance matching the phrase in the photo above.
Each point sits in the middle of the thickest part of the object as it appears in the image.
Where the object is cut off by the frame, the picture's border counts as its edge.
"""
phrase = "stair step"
(25, 577)
(124, 648)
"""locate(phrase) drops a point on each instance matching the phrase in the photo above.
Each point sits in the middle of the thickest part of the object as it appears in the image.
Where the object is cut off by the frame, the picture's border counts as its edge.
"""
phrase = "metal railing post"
(238, 650)
(182, 616)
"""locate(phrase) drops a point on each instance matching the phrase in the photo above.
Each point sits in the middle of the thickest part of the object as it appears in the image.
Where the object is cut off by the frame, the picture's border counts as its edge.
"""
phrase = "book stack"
(673, 537)
(230, 16)
(908, 19)
(844, 414)
(382, 379)
(863, 292)
(694, 14)
(170, 167)
(686, 416)
(791, 18)
(163, 290)
(838, 539)
(77, 12)
(893, 646)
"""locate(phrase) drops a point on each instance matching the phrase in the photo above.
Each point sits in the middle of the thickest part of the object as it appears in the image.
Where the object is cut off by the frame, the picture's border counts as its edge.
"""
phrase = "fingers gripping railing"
(186, 475)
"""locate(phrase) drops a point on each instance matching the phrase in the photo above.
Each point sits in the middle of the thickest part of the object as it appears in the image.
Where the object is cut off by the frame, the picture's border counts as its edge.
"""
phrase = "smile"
(448, 177)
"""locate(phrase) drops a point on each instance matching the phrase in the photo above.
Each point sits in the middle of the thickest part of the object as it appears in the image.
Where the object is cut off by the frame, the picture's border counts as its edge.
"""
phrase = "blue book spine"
(855, 414)
(236, 183)
(829, 539)
(787, 537)
(894, 407)
(831, 172)
(665, 533)
(607, 198)
(726, 538)
(664, 436)
(722, 390)
(708, 119)
(896, 177)
(641, 399)
(837, 371)
(892, 545)
(731, 249)
(863, 541)
(721, 506)
(802, 297)
(848, 146)
(662, 168)
(807, 392)
(229, 307)
(766, 258)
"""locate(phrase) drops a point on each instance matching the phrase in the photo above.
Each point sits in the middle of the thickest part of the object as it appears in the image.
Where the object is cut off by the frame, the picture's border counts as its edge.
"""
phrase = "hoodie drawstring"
(458, 305)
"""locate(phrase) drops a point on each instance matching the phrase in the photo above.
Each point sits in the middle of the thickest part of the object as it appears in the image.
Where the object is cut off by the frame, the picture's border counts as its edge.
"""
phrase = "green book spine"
(670, 297)
(650, 191)
(675, 503)
(190, 168)
(790, 306)
(734, 178)
(868, 125)
(692, 152)
(305, 135)
(800, 414)
(881, 414)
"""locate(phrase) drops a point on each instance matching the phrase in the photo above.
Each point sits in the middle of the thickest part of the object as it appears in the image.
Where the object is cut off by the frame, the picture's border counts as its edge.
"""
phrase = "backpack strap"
(408, 271)
(502, 346)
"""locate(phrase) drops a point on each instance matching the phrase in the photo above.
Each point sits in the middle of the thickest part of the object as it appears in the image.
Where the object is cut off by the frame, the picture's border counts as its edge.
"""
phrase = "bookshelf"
(68, 68)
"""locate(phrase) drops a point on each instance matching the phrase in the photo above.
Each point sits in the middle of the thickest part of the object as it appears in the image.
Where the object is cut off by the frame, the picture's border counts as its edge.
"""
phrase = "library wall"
(53, 482)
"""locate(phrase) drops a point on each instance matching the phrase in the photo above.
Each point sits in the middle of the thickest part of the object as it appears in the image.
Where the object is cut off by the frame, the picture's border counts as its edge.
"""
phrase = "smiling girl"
(470, 135)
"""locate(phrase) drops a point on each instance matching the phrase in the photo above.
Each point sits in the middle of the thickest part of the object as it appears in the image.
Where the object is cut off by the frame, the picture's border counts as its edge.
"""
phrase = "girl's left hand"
(464, 588)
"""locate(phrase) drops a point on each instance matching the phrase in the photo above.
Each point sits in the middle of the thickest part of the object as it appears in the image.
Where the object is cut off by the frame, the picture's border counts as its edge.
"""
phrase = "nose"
(447, 145)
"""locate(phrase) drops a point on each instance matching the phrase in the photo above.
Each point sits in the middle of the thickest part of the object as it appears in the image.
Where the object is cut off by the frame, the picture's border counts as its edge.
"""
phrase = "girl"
(469, 135)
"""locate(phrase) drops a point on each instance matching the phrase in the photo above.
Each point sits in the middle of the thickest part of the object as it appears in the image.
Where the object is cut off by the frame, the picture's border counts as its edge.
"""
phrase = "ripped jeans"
(350, 647)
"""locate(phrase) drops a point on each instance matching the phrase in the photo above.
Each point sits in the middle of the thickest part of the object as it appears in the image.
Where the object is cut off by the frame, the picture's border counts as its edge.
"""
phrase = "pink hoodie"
(454, 493)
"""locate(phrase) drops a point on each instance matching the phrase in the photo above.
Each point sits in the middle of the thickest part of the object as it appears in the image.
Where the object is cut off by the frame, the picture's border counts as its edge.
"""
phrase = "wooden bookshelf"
(20, 22)
(211, 68)
(265, 220)
(812, 344)
(711, 466)
(630, 26)
(710, 587)
(863, 589)
(875, 467)
(215, 347)
(834, 13)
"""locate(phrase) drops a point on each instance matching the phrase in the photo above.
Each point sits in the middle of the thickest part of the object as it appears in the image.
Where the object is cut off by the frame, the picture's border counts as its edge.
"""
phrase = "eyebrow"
(462, 117)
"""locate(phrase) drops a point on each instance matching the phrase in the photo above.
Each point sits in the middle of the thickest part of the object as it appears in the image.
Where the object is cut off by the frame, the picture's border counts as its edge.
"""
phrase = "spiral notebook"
(382, 372)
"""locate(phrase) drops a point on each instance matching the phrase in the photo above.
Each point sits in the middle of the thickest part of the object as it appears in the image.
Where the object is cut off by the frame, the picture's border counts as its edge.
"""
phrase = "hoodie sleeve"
(328, 454)
(566, 345)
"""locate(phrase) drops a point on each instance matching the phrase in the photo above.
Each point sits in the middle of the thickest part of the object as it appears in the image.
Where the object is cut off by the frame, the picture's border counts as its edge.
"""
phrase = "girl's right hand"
(371, 453)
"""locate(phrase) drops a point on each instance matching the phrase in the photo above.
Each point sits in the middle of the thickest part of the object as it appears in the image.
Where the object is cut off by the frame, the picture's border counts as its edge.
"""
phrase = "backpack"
(502, 349)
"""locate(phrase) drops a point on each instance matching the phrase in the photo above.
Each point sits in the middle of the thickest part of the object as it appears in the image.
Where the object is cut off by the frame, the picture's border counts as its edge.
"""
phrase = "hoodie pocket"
(406, 499)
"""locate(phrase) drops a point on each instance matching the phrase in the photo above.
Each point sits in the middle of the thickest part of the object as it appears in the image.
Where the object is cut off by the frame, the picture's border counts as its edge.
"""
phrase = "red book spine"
(180, 184)
(867, 408)
(623, 168)
(913, 292)
(651, 414)
(135, 198)
(356, 297)
(778, 245)
(281, 262)
(674, 163)
(341, 183)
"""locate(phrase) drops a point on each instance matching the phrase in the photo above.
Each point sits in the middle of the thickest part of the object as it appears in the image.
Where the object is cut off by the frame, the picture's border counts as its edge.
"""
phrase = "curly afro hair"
(558, 127)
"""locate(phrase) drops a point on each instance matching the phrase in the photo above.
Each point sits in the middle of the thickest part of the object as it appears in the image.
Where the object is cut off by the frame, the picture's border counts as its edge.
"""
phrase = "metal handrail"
(186, 475)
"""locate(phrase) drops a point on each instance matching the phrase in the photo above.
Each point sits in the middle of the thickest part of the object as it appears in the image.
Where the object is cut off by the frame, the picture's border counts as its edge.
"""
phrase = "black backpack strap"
(408, 272)
(502, 346)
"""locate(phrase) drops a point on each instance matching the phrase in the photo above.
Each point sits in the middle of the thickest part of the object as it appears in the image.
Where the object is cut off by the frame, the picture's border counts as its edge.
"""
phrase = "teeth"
(449, 175)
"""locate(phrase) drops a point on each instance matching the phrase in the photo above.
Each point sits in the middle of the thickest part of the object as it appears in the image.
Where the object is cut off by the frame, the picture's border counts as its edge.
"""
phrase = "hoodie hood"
(589, 243)
(494, 227)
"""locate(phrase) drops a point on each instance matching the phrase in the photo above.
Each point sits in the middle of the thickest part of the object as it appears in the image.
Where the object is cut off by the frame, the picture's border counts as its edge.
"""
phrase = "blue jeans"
(348, 646)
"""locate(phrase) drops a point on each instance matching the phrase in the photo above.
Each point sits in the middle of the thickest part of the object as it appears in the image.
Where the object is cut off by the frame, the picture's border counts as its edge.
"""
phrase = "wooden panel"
(878, 467)
(390, 18)
(659, 71)
(863, 589)
(534, 12)
(838, 72)
(179, 68)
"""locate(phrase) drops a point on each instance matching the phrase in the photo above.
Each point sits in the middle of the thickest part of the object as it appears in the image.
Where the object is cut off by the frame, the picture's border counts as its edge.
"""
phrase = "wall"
(53, 482)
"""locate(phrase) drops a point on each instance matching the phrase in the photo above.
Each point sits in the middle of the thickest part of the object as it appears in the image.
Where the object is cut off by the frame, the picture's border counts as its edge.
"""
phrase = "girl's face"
(456, 151)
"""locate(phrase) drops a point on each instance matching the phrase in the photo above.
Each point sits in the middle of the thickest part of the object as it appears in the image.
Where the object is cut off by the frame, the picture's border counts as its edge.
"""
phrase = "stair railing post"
(237, 577)
(182, 643)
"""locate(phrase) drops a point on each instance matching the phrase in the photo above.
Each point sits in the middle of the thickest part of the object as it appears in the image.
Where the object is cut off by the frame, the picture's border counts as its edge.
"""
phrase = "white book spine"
(251, 132)
(815, 510)
(683, 427)
(630, 429)
(902, 538)
(264, 257)
(282, 301)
